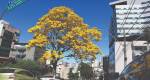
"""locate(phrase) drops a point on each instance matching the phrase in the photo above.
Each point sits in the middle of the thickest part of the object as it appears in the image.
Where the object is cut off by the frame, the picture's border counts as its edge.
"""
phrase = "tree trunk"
(54, 67)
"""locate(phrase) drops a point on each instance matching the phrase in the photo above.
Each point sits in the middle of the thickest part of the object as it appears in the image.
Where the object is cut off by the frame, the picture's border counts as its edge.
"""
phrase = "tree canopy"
(62, 30)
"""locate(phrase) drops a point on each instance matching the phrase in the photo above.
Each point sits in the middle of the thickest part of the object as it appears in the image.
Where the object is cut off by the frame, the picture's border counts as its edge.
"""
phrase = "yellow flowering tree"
(61, 30)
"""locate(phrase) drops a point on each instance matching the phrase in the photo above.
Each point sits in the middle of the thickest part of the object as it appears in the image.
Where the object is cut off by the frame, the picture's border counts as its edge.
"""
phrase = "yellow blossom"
(63, 29)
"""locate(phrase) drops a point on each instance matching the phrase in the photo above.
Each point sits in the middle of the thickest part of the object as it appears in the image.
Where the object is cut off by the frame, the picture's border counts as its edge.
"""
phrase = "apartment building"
(11, 48)
(8, 37)
(128, 20)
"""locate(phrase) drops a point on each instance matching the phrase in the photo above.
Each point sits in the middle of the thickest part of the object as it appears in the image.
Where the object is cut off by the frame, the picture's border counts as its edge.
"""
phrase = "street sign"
(14, 3)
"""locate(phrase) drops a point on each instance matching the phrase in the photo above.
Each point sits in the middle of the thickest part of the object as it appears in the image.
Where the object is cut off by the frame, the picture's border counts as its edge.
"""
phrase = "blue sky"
(95, 13)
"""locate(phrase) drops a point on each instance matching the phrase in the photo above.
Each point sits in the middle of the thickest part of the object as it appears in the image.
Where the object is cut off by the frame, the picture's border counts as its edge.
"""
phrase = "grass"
(3, 77)
(23, 77)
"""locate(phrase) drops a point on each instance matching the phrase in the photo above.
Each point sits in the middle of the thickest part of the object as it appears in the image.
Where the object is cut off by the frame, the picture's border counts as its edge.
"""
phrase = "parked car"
(16, 74)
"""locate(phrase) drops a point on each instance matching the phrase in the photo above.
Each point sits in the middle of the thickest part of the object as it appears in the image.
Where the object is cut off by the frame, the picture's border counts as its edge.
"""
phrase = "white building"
(97, 68)
(63, 69)
(133, 50)
(21, 52)
(129, 16)
(126, 15)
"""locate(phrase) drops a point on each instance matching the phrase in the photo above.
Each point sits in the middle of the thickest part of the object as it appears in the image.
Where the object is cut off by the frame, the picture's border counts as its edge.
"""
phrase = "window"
(6, 43)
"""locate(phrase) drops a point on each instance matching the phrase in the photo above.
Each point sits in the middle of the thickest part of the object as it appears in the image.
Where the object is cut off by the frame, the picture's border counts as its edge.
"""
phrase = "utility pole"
(125, 55)
(133, 53)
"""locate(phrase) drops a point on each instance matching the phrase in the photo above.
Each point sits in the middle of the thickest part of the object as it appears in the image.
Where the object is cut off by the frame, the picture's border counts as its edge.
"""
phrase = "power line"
(130, 28)
(124, 20)
(112, 29)
(135, 23)
(139, 17)
(135, 39)
(129, 10)
(128, 44)
(133, 26)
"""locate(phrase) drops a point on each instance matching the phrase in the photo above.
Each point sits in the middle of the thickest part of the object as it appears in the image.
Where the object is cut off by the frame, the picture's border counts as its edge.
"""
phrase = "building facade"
(63, 70)
(129, 18)
(21, 52)
(10, 48)
(97, 69)
(8, 37)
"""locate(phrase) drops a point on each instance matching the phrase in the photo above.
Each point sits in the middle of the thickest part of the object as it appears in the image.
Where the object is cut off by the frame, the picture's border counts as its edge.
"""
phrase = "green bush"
(24, 64)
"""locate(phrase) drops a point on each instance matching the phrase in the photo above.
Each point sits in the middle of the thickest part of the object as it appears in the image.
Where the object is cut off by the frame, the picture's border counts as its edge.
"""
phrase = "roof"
(3, 22)
(9, 27)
